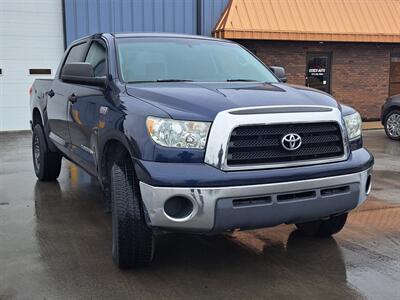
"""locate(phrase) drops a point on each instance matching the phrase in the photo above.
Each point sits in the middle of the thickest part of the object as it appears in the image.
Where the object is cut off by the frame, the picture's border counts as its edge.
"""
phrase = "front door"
(83, 119)
(394, 79)
(318, 73)
(86, 106)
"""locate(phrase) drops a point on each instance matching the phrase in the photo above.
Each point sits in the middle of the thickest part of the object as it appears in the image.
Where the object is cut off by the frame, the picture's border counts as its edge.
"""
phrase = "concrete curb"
(372, 125)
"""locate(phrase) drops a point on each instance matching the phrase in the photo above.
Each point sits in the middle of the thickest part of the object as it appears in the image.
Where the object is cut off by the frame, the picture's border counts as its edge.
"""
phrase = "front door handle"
(51, 93)
(72, 98)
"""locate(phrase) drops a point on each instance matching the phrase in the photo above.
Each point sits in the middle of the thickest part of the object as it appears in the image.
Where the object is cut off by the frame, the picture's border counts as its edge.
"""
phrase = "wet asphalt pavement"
(55, 243)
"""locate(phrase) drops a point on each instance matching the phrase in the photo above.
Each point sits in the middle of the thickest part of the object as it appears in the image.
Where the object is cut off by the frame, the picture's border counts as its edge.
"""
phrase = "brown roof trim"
(306, 36)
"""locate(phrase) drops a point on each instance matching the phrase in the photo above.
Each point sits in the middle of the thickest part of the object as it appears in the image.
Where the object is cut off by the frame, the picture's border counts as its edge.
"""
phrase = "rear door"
(84, 111)
(57, 99)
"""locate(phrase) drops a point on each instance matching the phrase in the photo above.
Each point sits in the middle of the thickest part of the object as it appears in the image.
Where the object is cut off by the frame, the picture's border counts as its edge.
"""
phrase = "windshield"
(171, 59)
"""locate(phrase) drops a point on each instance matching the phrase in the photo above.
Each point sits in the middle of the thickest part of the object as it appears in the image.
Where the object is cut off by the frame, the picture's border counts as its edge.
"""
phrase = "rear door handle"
(72, 98)
(51, 93)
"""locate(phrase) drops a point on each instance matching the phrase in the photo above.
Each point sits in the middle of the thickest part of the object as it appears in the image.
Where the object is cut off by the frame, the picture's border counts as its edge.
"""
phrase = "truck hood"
(203, 101)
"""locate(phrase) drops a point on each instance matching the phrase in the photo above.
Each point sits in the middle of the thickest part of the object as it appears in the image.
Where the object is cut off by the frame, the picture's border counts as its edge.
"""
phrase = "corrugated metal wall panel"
(84, 17)
(211, 12)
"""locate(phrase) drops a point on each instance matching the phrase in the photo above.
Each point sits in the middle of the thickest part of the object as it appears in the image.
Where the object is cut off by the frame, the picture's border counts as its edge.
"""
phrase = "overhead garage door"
(31, 43)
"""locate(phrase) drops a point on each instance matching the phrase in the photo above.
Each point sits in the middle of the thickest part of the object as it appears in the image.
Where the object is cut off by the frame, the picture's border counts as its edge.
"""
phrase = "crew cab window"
(144, 59)
(96, 56)
(76, 54)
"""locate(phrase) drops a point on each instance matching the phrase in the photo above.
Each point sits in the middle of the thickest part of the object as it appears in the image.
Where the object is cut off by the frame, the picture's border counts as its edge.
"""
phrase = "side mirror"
(81, 73)
(280, 73)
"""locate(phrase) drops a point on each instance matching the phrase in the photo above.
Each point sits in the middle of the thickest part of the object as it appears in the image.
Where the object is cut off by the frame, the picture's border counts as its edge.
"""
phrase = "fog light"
(178, 208)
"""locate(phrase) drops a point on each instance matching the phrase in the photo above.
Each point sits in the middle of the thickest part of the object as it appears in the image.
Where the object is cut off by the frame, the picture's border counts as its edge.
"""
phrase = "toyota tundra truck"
(195, 134)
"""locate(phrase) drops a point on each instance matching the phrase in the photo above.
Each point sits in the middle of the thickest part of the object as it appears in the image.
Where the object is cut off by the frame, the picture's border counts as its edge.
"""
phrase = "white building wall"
(31, 37)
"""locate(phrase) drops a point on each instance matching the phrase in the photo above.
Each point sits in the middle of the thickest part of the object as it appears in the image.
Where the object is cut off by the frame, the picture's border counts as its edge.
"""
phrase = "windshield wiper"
(242, 80)
(174, 80)
(161, 80)
(141, 81)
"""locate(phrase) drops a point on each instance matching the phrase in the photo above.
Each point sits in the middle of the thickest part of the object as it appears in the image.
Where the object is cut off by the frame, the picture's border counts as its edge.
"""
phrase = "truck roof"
(162, 34)
(150, 34)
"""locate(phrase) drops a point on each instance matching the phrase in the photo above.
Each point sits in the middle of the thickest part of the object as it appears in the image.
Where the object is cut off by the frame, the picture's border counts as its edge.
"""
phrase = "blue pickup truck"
(194, 134)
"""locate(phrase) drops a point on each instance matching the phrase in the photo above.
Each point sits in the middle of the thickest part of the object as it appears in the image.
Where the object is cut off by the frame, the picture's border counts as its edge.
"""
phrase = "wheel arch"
(112, 147)
(36, 117)
(391, 103)
(391, 108)
(40, 117)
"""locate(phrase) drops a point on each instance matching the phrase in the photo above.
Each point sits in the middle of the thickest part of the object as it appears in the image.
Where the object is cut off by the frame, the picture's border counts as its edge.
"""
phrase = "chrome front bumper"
(217, 209)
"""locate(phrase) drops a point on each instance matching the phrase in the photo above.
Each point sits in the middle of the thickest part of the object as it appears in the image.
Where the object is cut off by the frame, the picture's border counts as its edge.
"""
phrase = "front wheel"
(323, 228)
(47, 164)
(392, 125)
(132, 238)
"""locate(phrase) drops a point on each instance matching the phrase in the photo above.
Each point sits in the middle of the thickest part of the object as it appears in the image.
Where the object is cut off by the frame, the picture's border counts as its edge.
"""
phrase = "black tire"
(389, 129)
(47, 165)
(132, 238)
(118, 154)
(323, 228)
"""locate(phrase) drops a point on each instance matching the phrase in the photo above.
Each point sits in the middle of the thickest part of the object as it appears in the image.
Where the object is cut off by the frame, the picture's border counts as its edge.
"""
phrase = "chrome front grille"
(262, 144)
(251, 138)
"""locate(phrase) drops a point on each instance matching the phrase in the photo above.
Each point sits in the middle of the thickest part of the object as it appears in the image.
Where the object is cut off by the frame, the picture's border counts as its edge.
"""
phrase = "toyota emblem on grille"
(291, 141)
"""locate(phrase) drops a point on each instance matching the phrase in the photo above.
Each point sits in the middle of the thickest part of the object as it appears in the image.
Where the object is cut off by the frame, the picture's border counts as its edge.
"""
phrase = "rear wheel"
(132, 238)
(392, 125)
(47, 164)
(323, 228)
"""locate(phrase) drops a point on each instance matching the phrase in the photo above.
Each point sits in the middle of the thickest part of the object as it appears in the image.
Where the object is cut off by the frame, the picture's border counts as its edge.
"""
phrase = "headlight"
(179, 134)
(353, 125)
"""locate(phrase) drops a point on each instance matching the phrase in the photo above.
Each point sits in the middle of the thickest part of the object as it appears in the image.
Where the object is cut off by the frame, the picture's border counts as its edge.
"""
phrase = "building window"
(40, 71)
(318, 73)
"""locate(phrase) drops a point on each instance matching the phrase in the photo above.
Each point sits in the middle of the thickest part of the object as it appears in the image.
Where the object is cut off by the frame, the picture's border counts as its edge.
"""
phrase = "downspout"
(198, 16)
(64, 23)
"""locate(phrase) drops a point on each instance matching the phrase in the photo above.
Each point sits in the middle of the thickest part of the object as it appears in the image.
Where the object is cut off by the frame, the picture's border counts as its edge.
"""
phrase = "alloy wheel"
(393, 125)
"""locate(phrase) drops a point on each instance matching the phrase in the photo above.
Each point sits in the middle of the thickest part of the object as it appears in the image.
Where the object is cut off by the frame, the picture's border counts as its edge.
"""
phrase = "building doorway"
(318, 73)
(394, 78)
